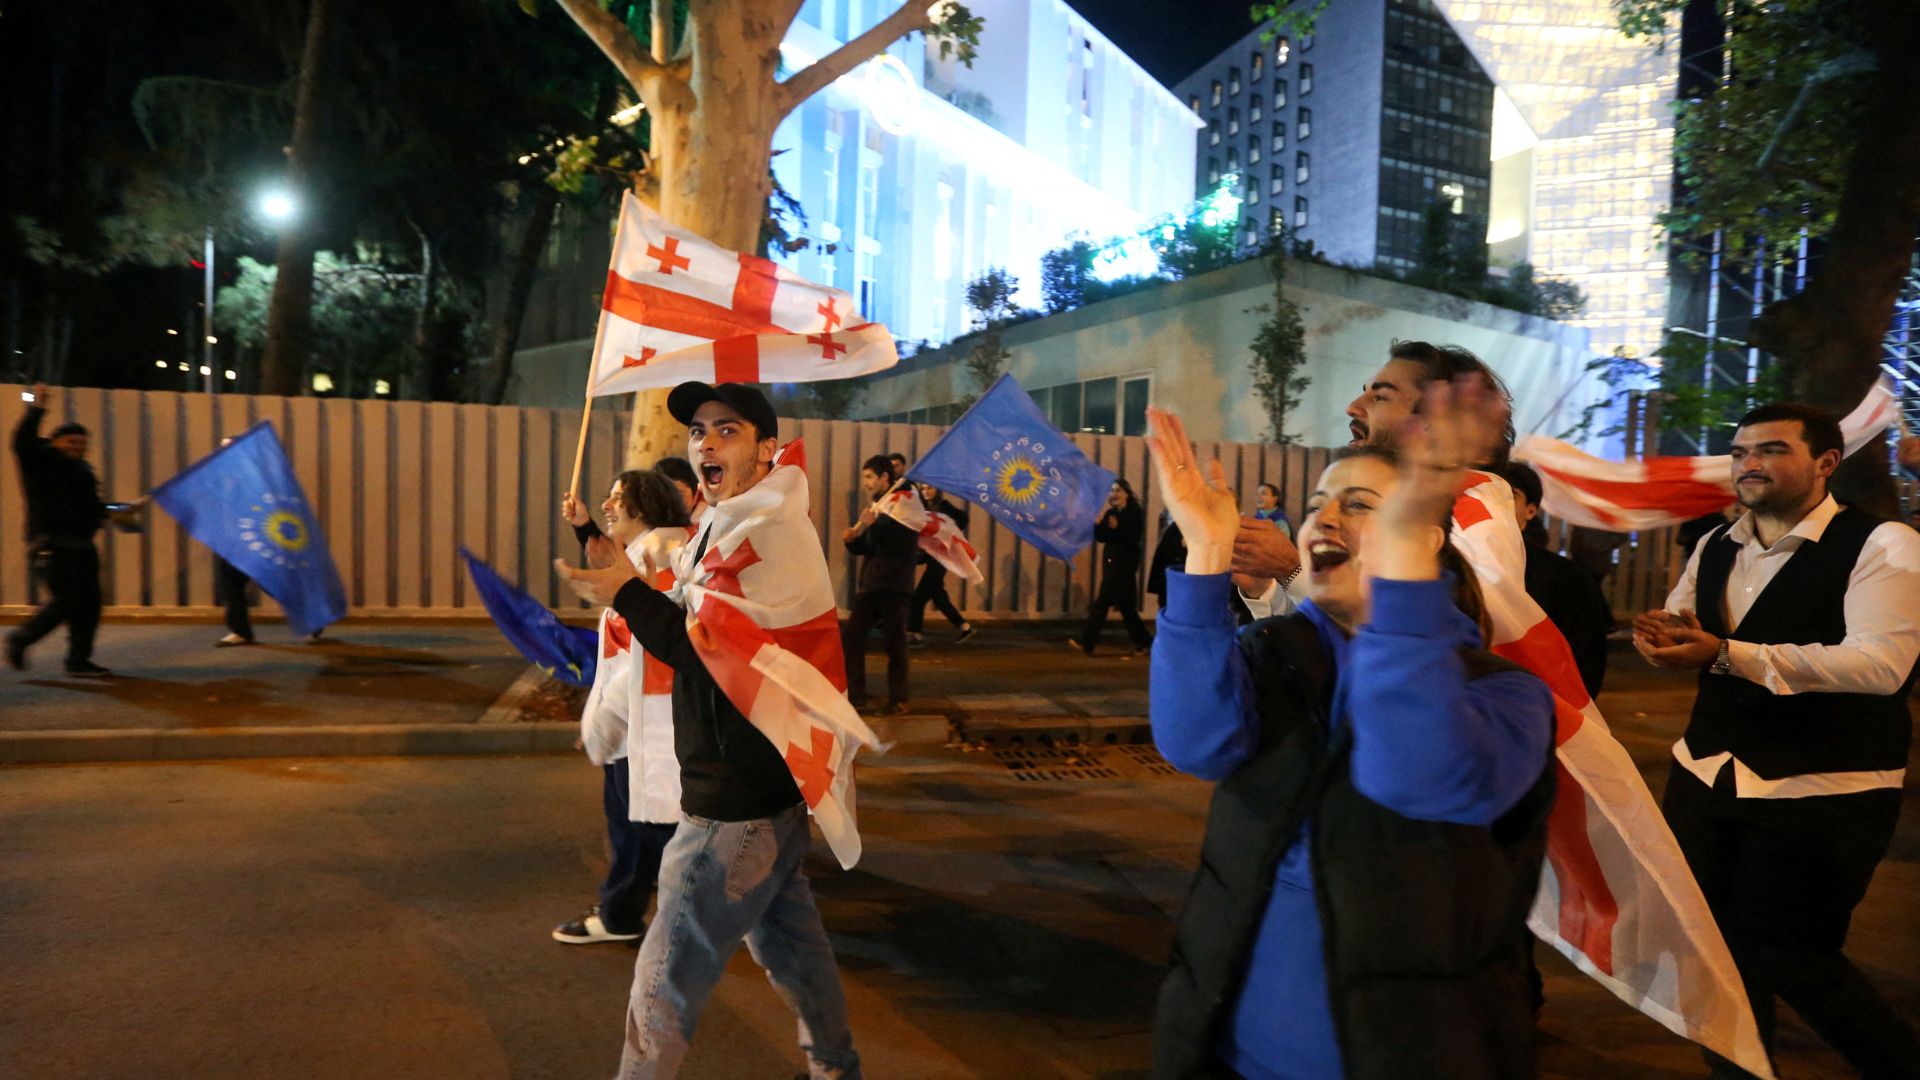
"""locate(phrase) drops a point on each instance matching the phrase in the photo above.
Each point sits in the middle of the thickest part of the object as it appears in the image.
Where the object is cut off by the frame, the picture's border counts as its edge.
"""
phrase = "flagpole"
(593, 371)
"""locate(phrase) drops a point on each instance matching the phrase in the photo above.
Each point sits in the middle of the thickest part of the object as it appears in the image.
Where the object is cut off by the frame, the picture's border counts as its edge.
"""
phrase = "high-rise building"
(1347, 136)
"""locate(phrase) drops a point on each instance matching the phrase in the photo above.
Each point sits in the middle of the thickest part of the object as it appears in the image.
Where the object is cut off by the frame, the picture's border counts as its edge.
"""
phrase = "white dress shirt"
(1882, 609)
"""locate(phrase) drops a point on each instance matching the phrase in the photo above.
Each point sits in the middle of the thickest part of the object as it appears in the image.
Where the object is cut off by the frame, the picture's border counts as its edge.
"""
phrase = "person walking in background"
(1803, 622)
(1169, 553)
(63, 512)
(647, 516)
(888, 551)
(1569, 595)
(1266, 507)
(1123, 529)
(933, 577)
(680, 471)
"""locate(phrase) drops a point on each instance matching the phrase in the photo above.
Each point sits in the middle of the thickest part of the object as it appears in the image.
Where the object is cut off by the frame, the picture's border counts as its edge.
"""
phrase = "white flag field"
(940, 535)
(1616, 896)
(1650, 493)
(678, 307)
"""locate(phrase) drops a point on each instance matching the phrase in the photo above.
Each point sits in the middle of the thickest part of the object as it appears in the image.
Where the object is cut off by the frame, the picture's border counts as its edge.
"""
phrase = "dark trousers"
(932, 589)
(1117, 590)
(1782, 877)
(888, 611)
(230, 584)
(636, 856)
(72, 576)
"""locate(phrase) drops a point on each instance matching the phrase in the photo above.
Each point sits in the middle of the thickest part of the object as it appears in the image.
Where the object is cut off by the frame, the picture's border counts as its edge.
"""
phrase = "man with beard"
(1786, 786)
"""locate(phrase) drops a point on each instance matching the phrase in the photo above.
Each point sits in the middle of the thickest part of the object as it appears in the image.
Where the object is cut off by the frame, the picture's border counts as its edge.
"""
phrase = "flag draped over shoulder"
(940, 535)
(244, 502)
(1004, 456)
(760, 613)
(1650, 493)
(1616, 896)
(678, 307)
(562, 651)
(629, 711)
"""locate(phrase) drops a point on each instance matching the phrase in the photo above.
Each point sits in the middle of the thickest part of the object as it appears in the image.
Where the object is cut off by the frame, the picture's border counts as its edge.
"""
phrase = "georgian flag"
(940, 536)
(1616, 896)
(629, 710)
(1650, 493)
(678, 307)
(760, 613)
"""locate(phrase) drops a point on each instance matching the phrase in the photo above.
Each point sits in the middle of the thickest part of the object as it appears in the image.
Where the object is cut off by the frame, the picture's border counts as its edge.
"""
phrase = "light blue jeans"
(721, 882)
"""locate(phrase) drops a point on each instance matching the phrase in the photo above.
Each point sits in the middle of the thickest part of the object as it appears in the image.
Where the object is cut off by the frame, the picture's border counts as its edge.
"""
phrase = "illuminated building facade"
(1347, 135)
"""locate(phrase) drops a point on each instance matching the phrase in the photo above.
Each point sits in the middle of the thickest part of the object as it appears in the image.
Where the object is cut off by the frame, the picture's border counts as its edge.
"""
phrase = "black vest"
(1423, 922)
(1805, 604)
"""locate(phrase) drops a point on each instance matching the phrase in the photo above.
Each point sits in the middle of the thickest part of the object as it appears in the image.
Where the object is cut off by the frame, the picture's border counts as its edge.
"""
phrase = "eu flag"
(1004, 456)
(243, 501)
(565, 652)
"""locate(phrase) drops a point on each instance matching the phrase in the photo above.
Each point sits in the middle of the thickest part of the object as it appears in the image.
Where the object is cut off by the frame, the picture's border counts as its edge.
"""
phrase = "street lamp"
(278, 207)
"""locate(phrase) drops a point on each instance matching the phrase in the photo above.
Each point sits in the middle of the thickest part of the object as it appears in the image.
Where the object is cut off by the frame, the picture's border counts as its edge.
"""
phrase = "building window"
(1301, 168)
(1306, 79)
(1135, 395)
(1233, 160)
(1305, 125)
(1100, 411)
(1216, 91)
(1279, 183)
(863, 268)
(1253, 110)
(1300, 211)
(1066, 408)
(1279, 93)
(1282, 49)
(1213, 132)
(1233, 81)
(1253, 194)
(1253, 151)
(1306, 42)
(869, 197)
(1259, 65)
(1213, 170)
(1279, 135)
(1233, 121)
(1250, 237)
(1194, 103)
(1276, 221)
(1455, 196)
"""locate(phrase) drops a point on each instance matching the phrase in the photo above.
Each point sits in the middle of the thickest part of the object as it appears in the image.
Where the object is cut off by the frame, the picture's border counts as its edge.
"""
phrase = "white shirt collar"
(1810, 528)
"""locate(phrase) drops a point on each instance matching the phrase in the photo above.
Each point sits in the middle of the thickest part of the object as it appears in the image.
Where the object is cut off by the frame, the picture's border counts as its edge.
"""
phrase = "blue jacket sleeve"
(1427, 742)
(1200, 697)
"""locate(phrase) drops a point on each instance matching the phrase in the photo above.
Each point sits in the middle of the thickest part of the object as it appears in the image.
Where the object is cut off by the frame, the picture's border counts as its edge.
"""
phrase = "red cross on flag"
(760, 613)
(940, 536)
(1616, 896)
(678, 307)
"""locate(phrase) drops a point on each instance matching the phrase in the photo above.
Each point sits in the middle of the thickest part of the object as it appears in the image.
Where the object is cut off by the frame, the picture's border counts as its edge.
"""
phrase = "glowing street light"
(277, 206)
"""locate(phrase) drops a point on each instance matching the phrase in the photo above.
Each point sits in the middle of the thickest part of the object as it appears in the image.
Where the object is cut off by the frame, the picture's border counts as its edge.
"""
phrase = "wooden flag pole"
(580, 448)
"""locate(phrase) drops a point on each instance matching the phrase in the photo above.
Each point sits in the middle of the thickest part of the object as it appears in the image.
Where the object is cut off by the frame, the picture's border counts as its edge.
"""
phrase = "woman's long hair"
(1466, 591)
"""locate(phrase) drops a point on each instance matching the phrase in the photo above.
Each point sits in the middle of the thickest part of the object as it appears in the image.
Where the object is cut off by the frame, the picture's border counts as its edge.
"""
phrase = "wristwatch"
(1722, 662)
(1287, 582)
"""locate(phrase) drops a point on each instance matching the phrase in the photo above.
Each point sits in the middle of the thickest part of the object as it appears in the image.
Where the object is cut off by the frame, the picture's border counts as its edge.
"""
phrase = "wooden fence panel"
(126, 553)
(506, 511)
(441, 483)
(16, 587)
(540, 506)
(474, 481)
(197, 441)
(372, 486)
(410, 511)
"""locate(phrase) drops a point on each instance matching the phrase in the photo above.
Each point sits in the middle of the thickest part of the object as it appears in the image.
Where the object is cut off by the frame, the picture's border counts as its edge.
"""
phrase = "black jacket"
(890, 550)
(729, 771)
(1124, 531)
(943, 505)
(1424, 922)
(1573, 603)
(63, 495)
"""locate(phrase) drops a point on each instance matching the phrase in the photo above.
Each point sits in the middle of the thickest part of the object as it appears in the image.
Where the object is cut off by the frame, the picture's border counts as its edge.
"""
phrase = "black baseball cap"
(751, 404)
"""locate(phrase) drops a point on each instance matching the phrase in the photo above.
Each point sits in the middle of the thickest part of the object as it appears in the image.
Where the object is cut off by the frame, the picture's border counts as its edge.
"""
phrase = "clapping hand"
(607, 569)
(1457, 424)
(1204, 508)
(1674, 640)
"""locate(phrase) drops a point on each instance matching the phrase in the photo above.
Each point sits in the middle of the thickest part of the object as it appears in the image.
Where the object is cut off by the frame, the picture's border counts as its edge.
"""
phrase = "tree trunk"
(417, 380)
(290, 312)
(526, 262)
(1830, 335)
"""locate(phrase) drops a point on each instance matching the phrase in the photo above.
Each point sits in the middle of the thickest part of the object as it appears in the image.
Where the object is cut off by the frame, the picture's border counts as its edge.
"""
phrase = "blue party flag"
(564, 652)
(244, 502)
(1004, 456)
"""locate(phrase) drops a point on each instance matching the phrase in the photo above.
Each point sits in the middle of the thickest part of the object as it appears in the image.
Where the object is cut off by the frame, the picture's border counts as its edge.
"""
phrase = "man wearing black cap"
(733, 869)
(63, 512)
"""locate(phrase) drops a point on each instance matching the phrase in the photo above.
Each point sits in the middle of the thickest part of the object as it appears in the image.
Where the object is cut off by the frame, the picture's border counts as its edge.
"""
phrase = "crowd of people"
(1284, 671)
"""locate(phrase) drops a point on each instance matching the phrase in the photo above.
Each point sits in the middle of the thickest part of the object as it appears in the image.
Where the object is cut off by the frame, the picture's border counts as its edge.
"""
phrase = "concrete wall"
(1193, 337)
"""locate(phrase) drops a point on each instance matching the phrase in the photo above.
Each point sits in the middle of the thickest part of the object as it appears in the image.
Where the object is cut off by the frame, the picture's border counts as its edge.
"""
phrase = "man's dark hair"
(1818, 429)
(1521, 478)
(68, 428)
(649, 497)
(898, 465)
(1449, 362)
(879, 465)
(677, 469)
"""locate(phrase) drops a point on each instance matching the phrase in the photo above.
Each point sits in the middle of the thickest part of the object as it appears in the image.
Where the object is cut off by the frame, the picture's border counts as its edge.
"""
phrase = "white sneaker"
(588, 929)
(233, 639)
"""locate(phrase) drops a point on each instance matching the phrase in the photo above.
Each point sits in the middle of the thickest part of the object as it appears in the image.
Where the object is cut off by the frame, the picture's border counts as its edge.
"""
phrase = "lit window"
(1305, 126)
(1300, 212)
(1306, 79)
(1233, 121)
(1259, 65)
(1279, 183)
(1233, 81)
(1455, 195)
(1253, 110)
(1233, 161)
(1279, 135)
(1300, 168)
(1213, 132)
(1213, 170)
(1216, 91)
(1253, 151)
(1276, 221)
(1194, 103)
(1279, 93)
(1281, 50)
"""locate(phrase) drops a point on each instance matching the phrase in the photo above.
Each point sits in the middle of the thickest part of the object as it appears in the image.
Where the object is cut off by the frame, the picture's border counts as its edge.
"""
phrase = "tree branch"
(613, 38)
(908, 18)
(661, 12)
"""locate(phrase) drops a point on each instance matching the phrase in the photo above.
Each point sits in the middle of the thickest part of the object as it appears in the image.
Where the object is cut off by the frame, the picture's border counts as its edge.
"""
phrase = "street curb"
(342, 740)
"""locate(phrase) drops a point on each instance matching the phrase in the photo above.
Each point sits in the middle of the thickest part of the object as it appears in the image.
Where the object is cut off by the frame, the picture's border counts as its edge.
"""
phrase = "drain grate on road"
(1147, 759)
(1040, 764)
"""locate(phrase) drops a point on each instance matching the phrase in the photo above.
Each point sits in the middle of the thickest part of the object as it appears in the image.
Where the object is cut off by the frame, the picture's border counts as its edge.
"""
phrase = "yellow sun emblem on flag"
(285, 530)
(1018, 480)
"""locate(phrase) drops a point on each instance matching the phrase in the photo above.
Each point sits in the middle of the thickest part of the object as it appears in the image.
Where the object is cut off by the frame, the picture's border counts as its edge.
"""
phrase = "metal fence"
(400, 486)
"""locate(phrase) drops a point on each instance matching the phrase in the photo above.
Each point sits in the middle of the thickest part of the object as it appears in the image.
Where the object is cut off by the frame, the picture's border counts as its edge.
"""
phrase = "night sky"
(1170, 40)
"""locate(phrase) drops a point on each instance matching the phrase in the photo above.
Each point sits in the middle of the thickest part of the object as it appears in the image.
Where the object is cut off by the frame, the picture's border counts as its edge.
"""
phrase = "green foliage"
(1285, 18)
(830, 399)
(1721, 139)
(990, 298)
(1279, 353)
(956, 29)
(1194, 246)
(1525, 290)
(1065, 276)
(1704, 386)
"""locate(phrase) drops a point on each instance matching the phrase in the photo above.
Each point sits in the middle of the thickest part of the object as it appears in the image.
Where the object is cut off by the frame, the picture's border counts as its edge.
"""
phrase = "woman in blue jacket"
(1375, 840)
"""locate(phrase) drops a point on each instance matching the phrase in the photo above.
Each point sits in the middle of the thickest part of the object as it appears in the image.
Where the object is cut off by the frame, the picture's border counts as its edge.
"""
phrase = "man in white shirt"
(1785, 788)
